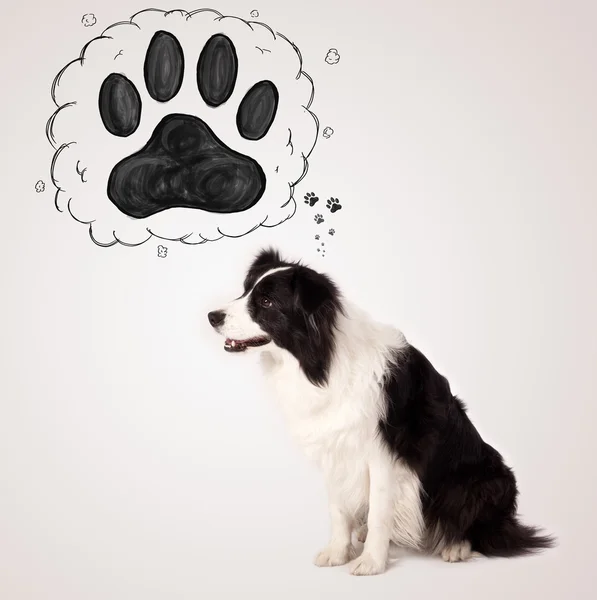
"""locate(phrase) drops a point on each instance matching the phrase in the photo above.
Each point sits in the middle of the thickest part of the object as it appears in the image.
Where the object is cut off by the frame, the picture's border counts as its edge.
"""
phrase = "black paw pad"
(185, 165)
(257, 110)
(119, 105)
(216, 70)
(164, 67)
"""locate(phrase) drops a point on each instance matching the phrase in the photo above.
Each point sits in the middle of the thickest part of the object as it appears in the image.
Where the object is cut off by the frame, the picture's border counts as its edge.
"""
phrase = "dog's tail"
(512, 538)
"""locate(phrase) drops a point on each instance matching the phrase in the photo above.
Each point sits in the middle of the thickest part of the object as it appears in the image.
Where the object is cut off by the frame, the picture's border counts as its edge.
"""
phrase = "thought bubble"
(332, 56)
(89, 20)
(328, 132)
(184, 126)
(254, 13)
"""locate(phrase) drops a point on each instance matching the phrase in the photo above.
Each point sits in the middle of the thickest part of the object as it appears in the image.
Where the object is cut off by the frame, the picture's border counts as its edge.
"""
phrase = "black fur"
(303, 311)
(468, 491)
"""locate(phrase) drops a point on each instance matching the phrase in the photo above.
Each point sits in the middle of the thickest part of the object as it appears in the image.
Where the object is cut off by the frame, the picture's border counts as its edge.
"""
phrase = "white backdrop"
(139, 460)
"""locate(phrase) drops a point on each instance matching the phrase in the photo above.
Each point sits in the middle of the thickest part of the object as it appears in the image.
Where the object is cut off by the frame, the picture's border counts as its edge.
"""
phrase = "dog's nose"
(216, 317)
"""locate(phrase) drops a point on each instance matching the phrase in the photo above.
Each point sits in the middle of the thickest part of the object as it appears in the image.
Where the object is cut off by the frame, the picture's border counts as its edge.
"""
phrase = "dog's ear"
(267, 259)
(317, 298)
(312, 290)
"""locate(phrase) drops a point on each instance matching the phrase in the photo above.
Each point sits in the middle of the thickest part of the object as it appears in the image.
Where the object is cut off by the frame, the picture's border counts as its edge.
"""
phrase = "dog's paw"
(334, 556)
(366, 564)
(458, 552)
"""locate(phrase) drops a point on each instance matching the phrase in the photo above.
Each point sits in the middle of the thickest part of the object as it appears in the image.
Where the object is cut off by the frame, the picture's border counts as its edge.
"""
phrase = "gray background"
(139, 460)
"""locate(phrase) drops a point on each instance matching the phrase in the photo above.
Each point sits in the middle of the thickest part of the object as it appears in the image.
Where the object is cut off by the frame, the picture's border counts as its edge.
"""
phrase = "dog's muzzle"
(216, 319)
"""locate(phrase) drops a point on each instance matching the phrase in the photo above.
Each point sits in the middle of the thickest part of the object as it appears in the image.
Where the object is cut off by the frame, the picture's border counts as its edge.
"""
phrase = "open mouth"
(242, 345)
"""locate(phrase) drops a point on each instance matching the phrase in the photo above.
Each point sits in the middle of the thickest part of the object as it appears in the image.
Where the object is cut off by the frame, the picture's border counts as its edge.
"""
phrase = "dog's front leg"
(382, 482)
(340, 550)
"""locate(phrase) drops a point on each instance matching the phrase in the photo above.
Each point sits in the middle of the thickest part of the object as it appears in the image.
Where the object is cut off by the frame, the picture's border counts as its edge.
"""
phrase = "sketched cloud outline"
(88, 20)
(85, 152)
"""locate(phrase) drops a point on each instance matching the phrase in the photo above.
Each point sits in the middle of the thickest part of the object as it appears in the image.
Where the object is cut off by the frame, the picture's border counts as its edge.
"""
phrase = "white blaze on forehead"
(267, 274)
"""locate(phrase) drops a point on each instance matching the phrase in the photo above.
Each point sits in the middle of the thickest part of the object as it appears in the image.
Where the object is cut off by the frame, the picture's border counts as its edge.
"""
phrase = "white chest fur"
(337, 425)
(331, 428)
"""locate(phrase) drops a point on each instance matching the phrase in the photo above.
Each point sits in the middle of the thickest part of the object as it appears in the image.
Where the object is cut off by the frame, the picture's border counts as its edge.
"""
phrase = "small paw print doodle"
(317, 236)
(319, 218)
(332, 232)
(333, 204)
(328, 132)
(89, 20)
(311, 199)
(332, 57)
(162, 251)
(40, 186)
(254, 13)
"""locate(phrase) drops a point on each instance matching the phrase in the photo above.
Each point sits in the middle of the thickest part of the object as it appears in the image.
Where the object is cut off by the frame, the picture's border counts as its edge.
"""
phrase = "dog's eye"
(265, 302)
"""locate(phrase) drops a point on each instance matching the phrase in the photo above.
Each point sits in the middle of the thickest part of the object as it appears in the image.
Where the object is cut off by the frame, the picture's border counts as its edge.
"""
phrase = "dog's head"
(285, 305)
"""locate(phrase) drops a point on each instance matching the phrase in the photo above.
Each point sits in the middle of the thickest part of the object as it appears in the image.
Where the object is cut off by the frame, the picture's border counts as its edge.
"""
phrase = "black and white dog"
(402, 461)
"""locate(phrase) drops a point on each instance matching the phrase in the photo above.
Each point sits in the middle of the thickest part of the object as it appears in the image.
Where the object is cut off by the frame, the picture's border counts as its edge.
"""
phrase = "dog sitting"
(401, 459)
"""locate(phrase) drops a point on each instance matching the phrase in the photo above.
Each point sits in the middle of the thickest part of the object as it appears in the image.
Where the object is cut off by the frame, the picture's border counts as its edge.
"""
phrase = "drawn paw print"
(184, 164)
(332, 232)
(333, 204)
(319, 218)
(317, 236)
(311, 199)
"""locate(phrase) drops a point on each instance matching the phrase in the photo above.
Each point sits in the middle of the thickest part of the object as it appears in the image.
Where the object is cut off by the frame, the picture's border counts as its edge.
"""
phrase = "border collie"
(401, 459)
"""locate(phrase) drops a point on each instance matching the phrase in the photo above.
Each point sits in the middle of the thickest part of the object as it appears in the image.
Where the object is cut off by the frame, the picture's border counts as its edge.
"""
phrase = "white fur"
(337, 427)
